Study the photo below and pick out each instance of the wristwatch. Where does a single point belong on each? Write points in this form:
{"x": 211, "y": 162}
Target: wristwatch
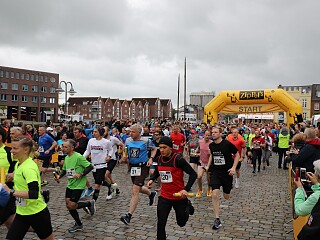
{"x": 12, "y": 192}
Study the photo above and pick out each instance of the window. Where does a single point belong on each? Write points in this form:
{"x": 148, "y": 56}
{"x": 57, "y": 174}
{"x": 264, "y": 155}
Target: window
{"x": 304, "y": 103}
{"x": 318, "y": 93}
{"x": 34, "y": 99}
{"x": 35, "y": 88}
{"x": 303, "y": 90}
{"x": 3, "y": 97}
{"x": 84, "y": 103}
{"x": 41, "y": 78}
{"x": 52, "y": 100}
{"x": 304, "y": 115}
{"x": 52, "y": 90}
{"x": 27, "y": 76}
{"x": 24, "y": 98}
{"x": 17, "y": 75}
{"x": 15, "y": 86}
{"x": 297, "y": 88}
{"x": 14, "y": 98}
{"x": 46, "y": 78}
{"x": 22, "y": 76}
{"x": 292, "y": 89}
{"x": 1, "y": 74}
{"x": 24, "y": 87}
{"x": 43, "y": 100}
{"x": 7, "y": 74}
{"x": 37, "y": 78}
{"x": 4, "y": 85}
{"x": 12, "y": 74}
{"x": 43, "y": 89}
{"x": 32, "y": 77}
{"x": 316, "y": 106}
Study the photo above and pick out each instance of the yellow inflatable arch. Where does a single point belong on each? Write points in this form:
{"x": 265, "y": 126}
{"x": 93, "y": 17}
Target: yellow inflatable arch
{"x": 256, "y": 101}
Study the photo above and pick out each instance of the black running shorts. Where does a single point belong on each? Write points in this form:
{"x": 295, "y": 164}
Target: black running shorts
{"x": 111, "y": 165}
{"x": 73, "y": 194}
{"x": 40, "y": 222}
{"x": 99, "y": 175}
{"x": 221, "y": 179}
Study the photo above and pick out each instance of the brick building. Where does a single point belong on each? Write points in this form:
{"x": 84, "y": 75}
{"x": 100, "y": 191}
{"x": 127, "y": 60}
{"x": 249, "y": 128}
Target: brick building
{"x": 98, "y": 108}
{"x": 27, "y": 94}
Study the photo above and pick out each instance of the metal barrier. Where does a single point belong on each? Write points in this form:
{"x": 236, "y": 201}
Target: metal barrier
{"x": 2, "y": 175}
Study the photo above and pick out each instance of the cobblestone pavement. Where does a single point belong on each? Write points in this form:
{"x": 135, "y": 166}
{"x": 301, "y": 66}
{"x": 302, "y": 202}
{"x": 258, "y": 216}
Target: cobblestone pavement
{"x": 259, "y": 209}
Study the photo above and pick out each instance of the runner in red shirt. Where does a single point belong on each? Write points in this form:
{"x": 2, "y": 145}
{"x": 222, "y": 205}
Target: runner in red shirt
{"x": 240, "y": 144}
{"x": 178, "y": 140}
{"x": 257, "y": 143}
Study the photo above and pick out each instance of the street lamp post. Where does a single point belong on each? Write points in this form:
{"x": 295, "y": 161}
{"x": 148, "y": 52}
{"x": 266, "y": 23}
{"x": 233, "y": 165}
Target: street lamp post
{"x": 71, "y": 92}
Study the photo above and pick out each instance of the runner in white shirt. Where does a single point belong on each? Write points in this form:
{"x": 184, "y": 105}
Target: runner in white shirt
{"x": 101, "y": 152}
{"x": 115, "y": 142}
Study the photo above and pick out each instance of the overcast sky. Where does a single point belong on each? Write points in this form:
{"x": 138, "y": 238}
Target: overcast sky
{"x": 136, "y": 48}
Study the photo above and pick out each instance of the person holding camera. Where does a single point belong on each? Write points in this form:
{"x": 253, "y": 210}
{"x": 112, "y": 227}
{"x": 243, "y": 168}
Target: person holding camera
{"x": 311, "y": 205}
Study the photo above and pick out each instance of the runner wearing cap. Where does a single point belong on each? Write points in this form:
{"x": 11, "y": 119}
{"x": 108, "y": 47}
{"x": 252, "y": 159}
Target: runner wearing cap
{"x": 192, "y": 147}
{"x": 171, "y": 167}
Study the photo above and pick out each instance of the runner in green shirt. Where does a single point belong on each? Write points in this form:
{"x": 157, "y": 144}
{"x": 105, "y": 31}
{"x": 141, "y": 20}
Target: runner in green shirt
{"x": 31, "y": 210}
{"x": 76, "y": 167}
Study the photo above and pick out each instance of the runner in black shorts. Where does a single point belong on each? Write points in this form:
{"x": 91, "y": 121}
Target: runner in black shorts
{"x": 76, "y": 167}
{"x": 222, "y": 168}
{"x": 113, "y": 186}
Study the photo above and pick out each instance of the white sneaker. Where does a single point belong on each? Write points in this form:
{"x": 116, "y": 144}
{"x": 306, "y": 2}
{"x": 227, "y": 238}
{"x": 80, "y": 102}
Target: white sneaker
{"x": 109, "y": 197}
{"x": 237, "y": 183}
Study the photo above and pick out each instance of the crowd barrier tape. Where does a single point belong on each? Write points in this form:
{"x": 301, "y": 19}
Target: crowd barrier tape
{"x": 297, "y": 221}
{"x": 2, "y": 175}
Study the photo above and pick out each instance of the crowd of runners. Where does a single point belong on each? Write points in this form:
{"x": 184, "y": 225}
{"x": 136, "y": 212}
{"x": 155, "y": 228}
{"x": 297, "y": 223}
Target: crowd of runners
{"x": 156, "y": 152}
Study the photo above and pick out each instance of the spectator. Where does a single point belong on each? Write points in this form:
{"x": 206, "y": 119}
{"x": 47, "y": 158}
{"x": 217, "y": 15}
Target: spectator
{"x": 311, "y": 205}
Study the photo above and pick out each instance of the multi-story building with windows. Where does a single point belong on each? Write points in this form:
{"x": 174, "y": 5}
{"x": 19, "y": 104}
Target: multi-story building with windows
{"x": 198, "y": 100}
{"x": 315, "y": 99}
{"x": 28, "y": 93}
{"x": 98, "y": 108}
{"x": 303, "y": 95}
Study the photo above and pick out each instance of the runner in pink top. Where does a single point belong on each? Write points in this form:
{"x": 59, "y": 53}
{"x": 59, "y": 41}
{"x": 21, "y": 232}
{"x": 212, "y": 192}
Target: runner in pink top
{"x": 204, "y": 159}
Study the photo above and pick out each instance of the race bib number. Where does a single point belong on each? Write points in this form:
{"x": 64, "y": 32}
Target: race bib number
{"x": 71, "y": 172}
{"x": 166, "y": 176}
{"x": 135, "y": 171}
{"x": 219, "y": 160}
{"x": 40, "y": 149}
{"x": 175, "y": 147}
{"x": 22, "y": 202}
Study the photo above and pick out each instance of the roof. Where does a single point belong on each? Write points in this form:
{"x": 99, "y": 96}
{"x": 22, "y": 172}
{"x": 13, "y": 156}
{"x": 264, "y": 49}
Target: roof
{"x": 152, "y": 101}
{"x": 80, "y": 100}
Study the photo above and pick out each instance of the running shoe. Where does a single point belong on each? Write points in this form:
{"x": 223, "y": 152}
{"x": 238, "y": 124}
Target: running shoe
{"x": 89, "y": 192}
{"x": 86, "y": 210}
{"x": 191, "y": 208}
{"x": 83, "y": 194}
{"x": 114, "y": 189}
{"x": 92, "y": 208}
{"x": 209, "y": 193}
{"x": 44, "y": 183}
{"x": 109, "y": 195}
{"x": 75, "y": 228}
{"x": 199, "y": 193}
{"x": 217, "y": 224}
{"x": 46, "y": 195}
{"x": 125, "y": 219}
{"x": 151, "y": 198}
